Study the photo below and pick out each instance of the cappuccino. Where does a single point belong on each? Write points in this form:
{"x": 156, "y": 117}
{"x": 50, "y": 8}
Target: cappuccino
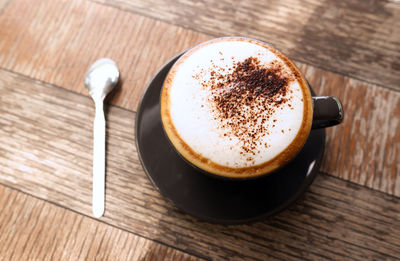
{"x": 236, "y": 107}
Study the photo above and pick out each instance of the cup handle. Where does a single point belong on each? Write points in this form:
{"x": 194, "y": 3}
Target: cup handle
{"x": 328, "y": 111}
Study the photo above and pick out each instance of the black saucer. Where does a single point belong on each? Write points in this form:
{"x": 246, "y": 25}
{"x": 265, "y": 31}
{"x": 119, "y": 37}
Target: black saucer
{"x": 209, "y": 198}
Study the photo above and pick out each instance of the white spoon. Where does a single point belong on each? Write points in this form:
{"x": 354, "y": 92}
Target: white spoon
{"x": 101, "y": 78}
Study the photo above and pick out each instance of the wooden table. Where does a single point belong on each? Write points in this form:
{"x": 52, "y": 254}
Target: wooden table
{"x": 349, "y": 49}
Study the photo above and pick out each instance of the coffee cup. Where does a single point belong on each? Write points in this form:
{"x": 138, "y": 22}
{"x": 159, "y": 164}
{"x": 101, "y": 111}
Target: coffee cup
{"x": 237, "y": 108}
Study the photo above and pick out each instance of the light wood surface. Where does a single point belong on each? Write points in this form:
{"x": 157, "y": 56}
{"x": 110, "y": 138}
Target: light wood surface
{"x": 347, "y": 49}
{"x": 31, "y": 231}
{"x": 138, "y": 45}
{"x": 378, "y": 138}
{"x": 49, "y": 157}
{"x": 355, "y": 37}
{"x": 366, "y": 147}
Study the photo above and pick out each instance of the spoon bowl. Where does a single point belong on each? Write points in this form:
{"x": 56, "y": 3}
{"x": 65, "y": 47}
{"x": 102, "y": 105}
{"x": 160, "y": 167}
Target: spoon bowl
{"x": 101, "y": 78}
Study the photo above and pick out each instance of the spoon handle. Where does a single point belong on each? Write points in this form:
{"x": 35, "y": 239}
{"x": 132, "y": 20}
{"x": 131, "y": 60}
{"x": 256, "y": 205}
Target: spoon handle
{"x": 99, "y": 141}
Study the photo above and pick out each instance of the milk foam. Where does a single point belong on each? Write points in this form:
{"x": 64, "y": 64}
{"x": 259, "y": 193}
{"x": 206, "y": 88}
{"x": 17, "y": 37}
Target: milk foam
{"x": 193, "y": 112}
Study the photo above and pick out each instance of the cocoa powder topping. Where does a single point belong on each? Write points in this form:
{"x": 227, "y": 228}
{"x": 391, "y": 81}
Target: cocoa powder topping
{"x": 242, "y": 99}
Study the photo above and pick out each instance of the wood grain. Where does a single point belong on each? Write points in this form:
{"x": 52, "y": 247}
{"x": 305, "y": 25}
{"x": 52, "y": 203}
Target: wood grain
{"x": 32, "y": 229}
{"x": 365, "y": 148}
{"x": 138, "y": 44}
{"x": 45, "y": 150}
{"x": 368, "y": 151}
{"x": 33, "y": 44}
{"x": 357, "y": 38}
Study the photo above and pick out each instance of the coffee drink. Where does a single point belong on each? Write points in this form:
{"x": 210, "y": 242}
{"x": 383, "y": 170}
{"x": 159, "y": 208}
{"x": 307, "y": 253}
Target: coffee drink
{"x": 236, "y": 107}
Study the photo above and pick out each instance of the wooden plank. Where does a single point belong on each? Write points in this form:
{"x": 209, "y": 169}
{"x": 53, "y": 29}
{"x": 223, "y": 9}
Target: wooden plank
{"x": 45, "y": 150}
{"x": 365, "y": 148}
{"x": 139, "y": 50}
{"x": 32, "y": 229}
{"x": 369, "y": 132}
{"x": 31, "y": 43}
{"x": 357, "y": 38}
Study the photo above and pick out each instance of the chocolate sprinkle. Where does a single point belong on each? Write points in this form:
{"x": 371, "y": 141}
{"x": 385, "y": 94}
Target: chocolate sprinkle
{"x": 244, "y": 97}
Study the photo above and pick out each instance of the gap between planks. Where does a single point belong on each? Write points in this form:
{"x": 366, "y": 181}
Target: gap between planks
{"x": 355, "y": 38}
{"x": 38, "y": 54}
{"x": 23, "y": 214}
{"x": 368, "y": 133}
{"x": 39, "y": 156}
